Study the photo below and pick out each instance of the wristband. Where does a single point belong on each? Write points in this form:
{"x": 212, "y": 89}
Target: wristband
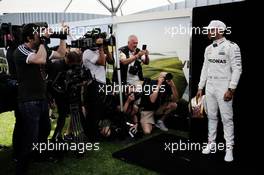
{"x": 231, "y": 90}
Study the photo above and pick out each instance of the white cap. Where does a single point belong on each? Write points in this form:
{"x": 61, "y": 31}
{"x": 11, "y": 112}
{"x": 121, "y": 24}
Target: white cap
{"x": 216, "y": 24}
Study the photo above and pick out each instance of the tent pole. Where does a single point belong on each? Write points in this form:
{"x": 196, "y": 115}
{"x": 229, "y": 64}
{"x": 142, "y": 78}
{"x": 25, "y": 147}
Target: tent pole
{"x": 118, "y": 73}
{"x": 113, "y": 13}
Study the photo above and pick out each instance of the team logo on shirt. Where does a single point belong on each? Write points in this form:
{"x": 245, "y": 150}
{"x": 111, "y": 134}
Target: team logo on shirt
{"x": 217, "y": 61}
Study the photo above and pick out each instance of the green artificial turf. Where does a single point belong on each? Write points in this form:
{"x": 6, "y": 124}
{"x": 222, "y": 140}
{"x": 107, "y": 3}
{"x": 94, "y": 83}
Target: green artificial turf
{"x": 94, "y": 162}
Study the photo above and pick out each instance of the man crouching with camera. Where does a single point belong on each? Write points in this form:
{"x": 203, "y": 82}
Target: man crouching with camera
{"x": 160, "y": 101}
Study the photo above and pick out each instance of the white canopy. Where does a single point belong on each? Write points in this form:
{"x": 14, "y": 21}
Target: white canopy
{"x": 81, "y": 6}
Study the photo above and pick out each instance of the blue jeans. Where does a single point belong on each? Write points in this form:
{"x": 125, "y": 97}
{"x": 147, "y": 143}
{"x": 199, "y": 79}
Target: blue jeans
{"x": 35, "y": 127}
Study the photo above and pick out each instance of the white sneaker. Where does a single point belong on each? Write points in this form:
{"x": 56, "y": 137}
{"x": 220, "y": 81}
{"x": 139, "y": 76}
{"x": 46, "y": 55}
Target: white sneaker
{"x": 209, "y": 147}
{"x": 229, "y": 155}
{"x": 161, "y": 125}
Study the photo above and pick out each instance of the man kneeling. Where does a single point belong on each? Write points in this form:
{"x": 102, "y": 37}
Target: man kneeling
{"x": 160, "y": 100}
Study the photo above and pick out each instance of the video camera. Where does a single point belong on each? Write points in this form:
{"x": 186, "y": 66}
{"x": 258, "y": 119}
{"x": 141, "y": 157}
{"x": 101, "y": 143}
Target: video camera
{"x": 89, "y": 40}
{"x": 12, "y": 34}
{"x": 69, "y": 79}
{"x": 55, "y": 34}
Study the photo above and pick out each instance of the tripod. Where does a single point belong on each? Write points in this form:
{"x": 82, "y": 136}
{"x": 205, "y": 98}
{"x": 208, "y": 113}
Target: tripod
{"x": 76, "y": 124}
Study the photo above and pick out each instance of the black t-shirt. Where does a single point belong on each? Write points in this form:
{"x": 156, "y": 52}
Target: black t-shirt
{"x": 163, "y": 96}
{"x": 11, "y": 61}
{"x": 31, "y": 83}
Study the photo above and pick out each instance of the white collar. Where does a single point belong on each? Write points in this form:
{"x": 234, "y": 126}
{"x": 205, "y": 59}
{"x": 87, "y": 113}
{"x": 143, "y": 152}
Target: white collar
{"x": 219, "y": 41}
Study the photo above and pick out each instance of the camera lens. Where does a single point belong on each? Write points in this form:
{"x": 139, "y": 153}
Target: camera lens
{"x": 168, "y": 76}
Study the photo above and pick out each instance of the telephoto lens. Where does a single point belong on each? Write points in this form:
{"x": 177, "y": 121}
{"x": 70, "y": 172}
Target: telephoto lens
{"x": 168, "y": 76}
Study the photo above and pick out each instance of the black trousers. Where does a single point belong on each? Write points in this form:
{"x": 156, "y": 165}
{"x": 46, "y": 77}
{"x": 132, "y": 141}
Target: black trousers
{"x": 35, "y": 128}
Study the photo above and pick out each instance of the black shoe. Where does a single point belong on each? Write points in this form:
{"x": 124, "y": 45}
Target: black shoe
{"x": 68, "y": 138}
{"x": 2, "y": 147}
{"x": 57, "y": 139}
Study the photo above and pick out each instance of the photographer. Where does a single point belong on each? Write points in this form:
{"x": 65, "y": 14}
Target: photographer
{"x": 131, "y": 106}
{"x": 130, "y": 62}
{"x": 160, "y": 101}
{"x": 130, "y": 101}
{"x": 95, "y": 60}
{"x": 11, "y": 92}
{"x": 32, "y": 103}
{"x": 12, "y": 44}
{"x": 30, "y": 36}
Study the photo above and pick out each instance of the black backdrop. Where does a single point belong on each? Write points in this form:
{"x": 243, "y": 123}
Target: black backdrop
{"x": 234, "y": 15}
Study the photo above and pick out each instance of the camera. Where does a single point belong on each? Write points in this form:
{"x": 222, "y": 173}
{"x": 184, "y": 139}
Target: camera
{"x": 88, "y": 41}
{"x": 144, "y": 47}
{"x": 10, "y": 35}
{"x": 133, "y": 70}
{"x": 168, "y": 76}
{"x": 68, "y": 80}
{"x": 60, "y": 35}
{"x": 137, "y": 95}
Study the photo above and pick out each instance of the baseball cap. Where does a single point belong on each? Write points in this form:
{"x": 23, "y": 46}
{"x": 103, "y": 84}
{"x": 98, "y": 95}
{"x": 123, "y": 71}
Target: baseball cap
{"x": 216, "y": 24}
